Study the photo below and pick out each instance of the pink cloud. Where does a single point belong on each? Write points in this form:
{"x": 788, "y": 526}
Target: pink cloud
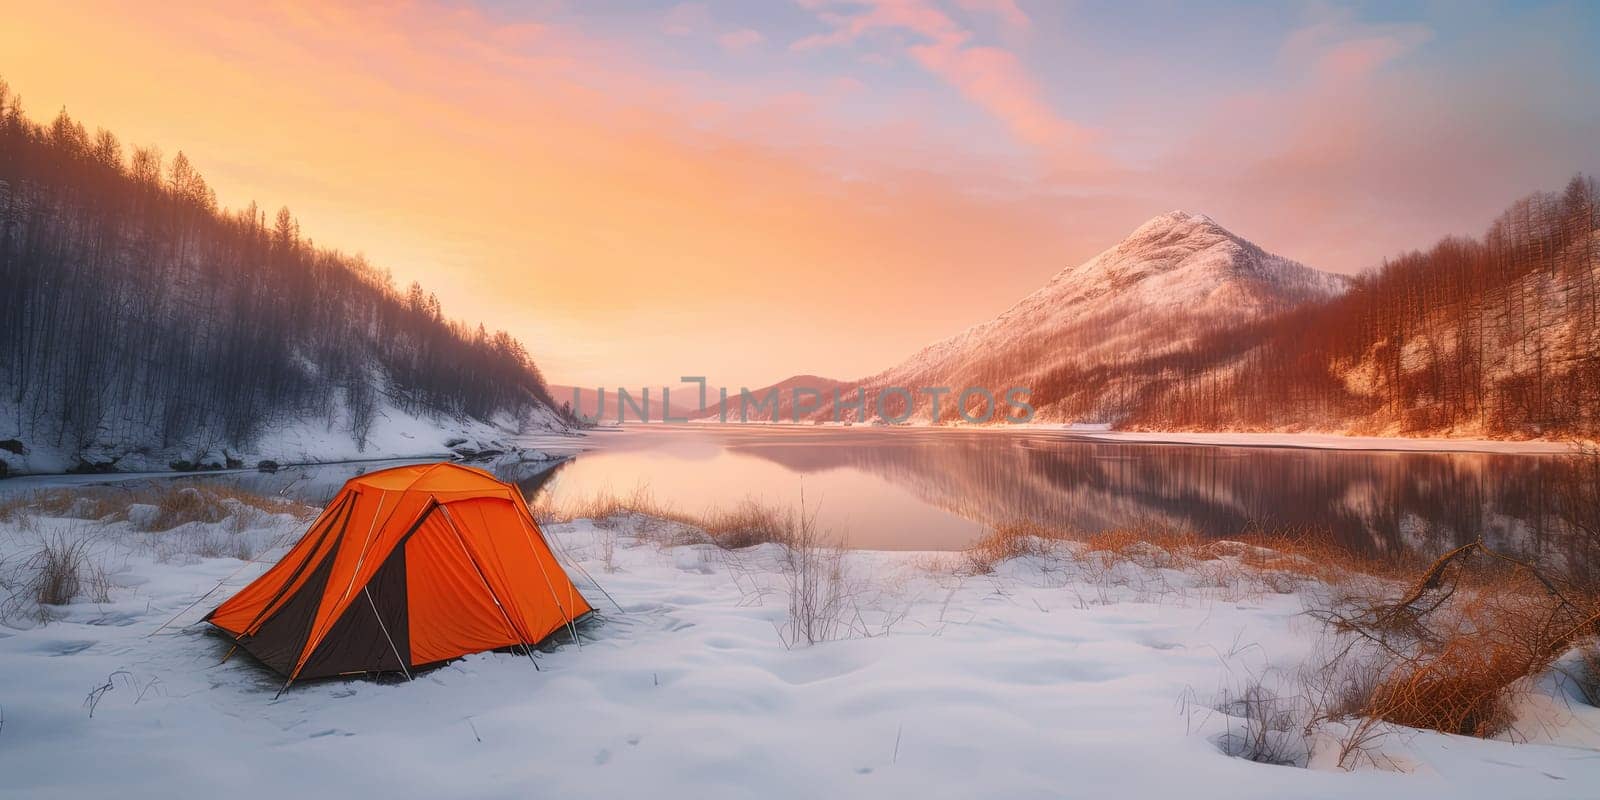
{"x": 742, "y": 39}
{"x": 685, "y": 19}
{"x": 996, "y": 81}
{"x": 1006, "y": 10}
{"x": 992, "y": 78}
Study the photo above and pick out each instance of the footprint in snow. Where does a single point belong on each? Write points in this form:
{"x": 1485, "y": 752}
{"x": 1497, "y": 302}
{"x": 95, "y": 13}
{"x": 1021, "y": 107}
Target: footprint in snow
{"x": 66, "y": 648}
{"x": 602, "y": 757}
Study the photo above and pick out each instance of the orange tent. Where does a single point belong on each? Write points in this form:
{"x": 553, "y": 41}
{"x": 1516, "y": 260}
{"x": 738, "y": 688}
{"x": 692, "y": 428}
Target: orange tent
{"x": 406, "y": 567}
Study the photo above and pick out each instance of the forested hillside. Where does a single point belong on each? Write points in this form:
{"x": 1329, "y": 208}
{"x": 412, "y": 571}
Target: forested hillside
{"x": 141, "y": 319}
{"x": 1495, "y": 336}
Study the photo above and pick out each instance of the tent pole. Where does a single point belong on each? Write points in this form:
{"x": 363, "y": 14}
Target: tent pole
{"x": 385, "y": 628}
{"x": 527, "y": 515}
{"x": 529, "y": 527}
{"x": 566, "y": 615}
{"x": 269, "y": 548}
{"x": 315, "y": 639}
{"x": 521, "y": 637}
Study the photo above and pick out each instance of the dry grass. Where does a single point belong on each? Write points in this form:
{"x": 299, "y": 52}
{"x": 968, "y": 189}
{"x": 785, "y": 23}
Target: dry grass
{"x": 156, "y": 506}
{"x": 61, "y": 569}
{"x": 822, "y": 602}
{"x": 58, "y": 566}
{"x": 1265, "y": 726}
{"x": 1258, "y": 561}
{"x": 67, "y": 564}
{"x": 1451, "y": 650}
{"x": 12, "y": 506}
{"x": 1005, "y": 542}
{"x": 821, "y": 599}
{"x": 750, "y": 523}
{"x": 603, "y": 505}
{"x": 747, "y": 524}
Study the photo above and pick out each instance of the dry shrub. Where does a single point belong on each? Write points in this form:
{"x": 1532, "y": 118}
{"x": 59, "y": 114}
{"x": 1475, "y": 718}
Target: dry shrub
{"x": 1261, "y": 561}
{"x": 59, "y": 566}
{"x": 745, "y": 525}
{"x": 1005, "y": 542}
{"x": 1157, "y": 547}
{"x": 651, "y": 521}
{"x": 748, "y": 524}
{"x": 1152, "y": 548}
{"x": 821, "y": 601}
{"x": 1454, "y": 648}
{"x": 608, "y": 550}
{"x": 1264, "y": 726}
{"x": 180, "y": 503}
{"x": 11, "y": 507}
{"x": 87, "y": 503}
{"x": 602, "y": 505}
{"x": 60, "y": 570}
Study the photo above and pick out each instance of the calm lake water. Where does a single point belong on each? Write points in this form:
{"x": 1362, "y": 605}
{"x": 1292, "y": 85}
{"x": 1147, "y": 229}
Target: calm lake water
{"x": 930, "y": 489}
{"x": 926, "y": 489}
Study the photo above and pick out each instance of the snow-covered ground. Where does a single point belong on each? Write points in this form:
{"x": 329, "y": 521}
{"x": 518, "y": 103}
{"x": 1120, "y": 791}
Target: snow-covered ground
{"x": 1316, "y": 441}
{"x": 1033, "y": 681}
{"x": 395, "y": 433}
{"x": 1334, "y": 441}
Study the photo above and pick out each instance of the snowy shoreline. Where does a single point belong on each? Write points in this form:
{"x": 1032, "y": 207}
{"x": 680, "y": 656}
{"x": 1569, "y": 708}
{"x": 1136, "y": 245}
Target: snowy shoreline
{"x": 1307, "y": 441}
{"x": 1030, "y": 680}
{"x": 394, "y": 435}
{"x": 1334, "y": 441}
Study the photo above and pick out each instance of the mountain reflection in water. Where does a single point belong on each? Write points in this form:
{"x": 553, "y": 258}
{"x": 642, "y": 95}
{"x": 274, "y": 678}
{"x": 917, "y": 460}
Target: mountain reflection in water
{"x": 924, "y": 489}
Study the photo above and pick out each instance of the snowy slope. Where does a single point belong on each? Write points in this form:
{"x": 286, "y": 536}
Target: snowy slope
{"x": 1176, "y": 276}
{"x": 394, "y": 433}
{"x": 1025, "y": 683}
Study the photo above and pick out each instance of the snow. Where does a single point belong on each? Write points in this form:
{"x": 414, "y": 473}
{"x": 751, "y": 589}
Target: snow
{"x": 395, "y": 433}
{"x": 1029, "y": 682}
{"x": 1319, "y": 441}
{"x": 1333, "y": 441}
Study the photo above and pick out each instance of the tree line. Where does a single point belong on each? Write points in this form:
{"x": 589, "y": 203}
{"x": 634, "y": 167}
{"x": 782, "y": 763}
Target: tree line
{"x": 135, "y": 309}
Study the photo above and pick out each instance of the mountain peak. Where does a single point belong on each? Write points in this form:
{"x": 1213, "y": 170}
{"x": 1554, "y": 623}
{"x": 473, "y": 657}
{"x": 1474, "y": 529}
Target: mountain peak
{"x": 1177, "y": 224}
{"x": 1177, "y": 275}
{"x": 1182, "y": 259}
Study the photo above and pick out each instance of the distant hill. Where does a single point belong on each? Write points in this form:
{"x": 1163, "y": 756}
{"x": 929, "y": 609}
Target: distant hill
{"x": 781, "y": 407}
{"x": 683, "y": 403}
{"x": 142, "y": 327}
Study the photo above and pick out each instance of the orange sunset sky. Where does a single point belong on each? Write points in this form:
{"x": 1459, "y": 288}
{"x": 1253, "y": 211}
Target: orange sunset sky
{"x": 748, "y": 190}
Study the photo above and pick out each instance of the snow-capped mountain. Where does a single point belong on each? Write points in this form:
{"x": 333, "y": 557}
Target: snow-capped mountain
{"x": 1176, "y": 277}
